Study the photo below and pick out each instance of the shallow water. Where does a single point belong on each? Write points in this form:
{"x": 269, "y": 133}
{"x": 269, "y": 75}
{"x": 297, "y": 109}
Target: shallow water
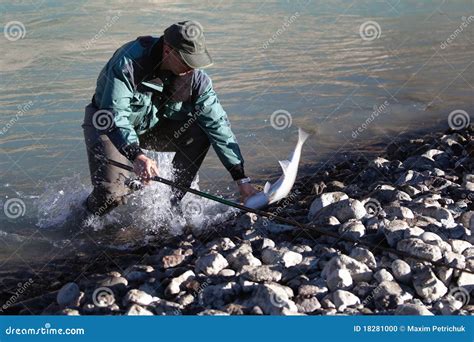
{"x": 305, "y": 61}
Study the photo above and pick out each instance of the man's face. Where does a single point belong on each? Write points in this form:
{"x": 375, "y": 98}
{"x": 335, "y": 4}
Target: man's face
{"x": 172, "y": 61}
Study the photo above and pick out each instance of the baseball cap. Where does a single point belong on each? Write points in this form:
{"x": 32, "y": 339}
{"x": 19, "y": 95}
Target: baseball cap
{"x": 187, "y": 37}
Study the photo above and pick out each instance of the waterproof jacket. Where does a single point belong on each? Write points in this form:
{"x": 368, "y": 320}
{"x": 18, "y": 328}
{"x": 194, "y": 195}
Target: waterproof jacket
{"x": 135, "y": 94}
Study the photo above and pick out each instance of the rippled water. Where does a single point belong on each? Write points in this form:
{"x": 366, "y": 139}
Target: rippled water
{"x": 305, "y": 60}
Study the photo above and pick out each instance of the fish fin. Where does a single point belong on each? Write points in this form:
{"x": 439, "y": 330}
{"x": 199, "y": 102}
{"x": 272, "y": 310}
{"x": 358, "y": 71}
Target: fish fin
{"x": 266, "y": 189}
{"x": 284, "y": 165}
{"x": 302, "y": 135}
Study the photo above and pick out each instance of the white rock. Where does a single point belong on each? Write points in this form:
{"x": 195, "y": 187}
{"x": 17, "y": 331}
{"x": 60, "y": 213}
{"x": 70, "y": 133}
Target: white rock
{"x": 343, "y": 210}
{"x": 389, "y": 295}
{"x": 135, "y": 296}
{"x": 365, "y": 256}
{"x": 399, "y": 212}
{"x": 174, "y": 286}
{"x": 339, "y": 279}
{"x": 459, "y": 246}
{"x": 273, "y": 299}
{"x": 343, "y": 299}
{"x": 137, "y": 310}
{"x": 428, "y": 286}
{"x": 401, "y": 271}
{"x": 395, "y": 231}
{"x": 383, "y": 275}
{"x": 324, "y": 200}
{"x": 466, "y": 281}
{"x": 413, "y": 310}
{"x": 420, "y": 249}
{"x": 242, "y": 256}
{"x": 358, "y": 270}
{"x": 354, "y": 230}
{"x": 272, "y": 256}
{"x": 211, "y": 264}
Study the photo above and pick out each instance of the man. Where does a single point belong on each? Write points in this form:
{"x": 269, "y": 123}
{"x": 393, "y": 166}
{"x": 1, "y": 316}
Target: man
{"x": 153, "y": 94}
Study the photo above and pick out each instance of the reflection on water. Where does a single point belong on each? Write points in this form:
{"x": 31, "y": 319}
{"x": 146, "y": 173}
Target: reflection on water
{"x": 303, "y": 58}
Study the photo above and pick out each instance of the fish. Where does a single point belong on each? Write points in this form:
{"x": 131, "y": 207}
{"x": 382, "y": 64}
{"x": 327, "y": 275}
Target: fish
{"x": 281, "y": 188}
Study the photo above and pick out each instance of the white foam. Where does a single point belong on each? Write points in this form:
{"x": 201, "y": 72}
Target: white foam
{"x": 148, "y": 209}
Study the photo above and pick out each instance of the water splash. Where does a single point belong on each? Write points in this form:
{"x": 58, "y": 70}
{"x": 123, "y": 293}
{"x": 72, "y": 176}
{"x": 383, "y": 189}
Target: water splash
{"x": 149, "y": 210}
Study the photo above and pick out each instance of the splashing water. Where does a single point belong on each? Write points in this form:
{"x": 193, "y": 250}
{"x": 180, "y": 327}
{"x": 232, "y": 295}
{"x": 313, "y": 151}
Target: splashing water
{"x": 148, "y": 210}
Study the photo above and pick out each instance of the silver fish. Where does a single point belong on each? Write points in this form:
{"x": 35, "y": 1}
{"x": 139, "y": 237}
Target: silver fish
{"x": 282, "y": 187}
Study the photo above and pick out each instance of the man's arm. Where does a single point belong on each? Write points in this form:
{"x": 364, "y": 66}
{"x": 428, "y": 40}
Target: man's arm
{"x": 214, "y": 121}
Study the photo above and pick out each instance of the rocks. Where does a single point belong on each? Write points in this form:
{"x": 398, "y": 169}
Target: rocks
{"x": 395, "y": 231}
{"x": 420, "y": 249}
{"x": 339, "y": 279}
{"x": 172, "y": 260}
{"x": 68, "y": 295}
{"x": 175, "y": 283}
{"x": 357, "y": 270}
{"x": 216, "y": 296}
{"x": 353, "y": 230}
{"x": 466, "y": 281}
{"x": 324, "y": 200}
{"x": 307, "y": 305}
{"x": 211, "y": 264}
{"x": 413, "y": 310}
{"x": 365, "y": 256}
{"x": 401, "y": 271}
{"x": 383, "y": 275}
{"x": 274, "y": 299}
{"x": 263, "y": 273}
{"x": 242, "y": 256}
{"x": 343, "y": 210}
{"x": 390, "y": 295}
{"x": 135, "y": 296}
{"x": 284, "y": 257}
{"x": 343, "y": 299}
{"x": 137, "y": 310}
{"x": 416, "y": 199}
{"x": 428, "y": 286}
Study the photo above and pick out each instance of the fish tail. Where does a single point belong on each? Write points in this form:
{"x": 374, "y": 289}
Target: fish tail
{"x": 302, "y": 136}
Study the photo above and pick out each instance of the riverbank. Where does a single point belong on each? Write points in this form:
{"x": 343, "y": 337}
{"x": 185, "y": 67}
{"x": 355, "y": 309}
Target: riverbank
{"x": 417, "y": 198}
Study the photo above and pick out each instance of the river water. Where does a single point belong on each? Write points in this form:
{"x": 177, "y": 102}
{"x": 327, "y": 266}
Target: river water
{"x": 357, "y": 73}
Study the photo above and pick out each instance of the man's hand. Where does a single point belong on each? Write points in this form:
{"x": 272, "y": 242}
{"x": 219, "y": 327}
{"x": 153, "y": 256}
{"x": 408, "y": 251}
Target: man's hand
{"x": 246, "y": 190}
{"x": 145, "y": 168}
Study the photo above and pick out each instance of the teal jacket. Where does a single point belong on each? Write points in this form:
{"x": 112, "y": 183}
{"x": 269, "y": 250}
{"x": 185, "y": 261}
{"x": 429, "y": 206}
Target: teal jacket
{"x": 138, "y": 94}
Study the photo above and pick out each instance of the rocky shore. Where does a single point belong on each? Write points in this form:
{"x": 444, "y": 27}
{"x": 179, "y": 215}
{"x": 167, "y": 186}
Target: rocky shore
{"x": 416, "y": 198}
